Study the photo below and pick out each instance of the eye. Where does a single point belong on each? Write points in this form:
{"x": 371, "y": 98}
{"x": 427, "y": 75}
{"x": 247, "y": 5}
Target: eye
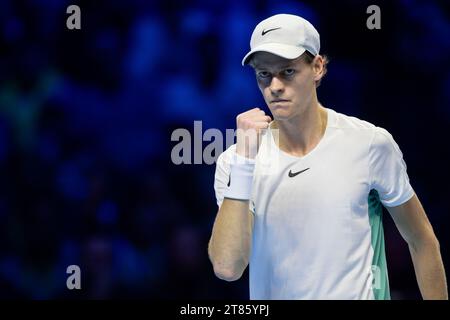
{"x": 263, "y": 74}
{"x": 288, "y": 72}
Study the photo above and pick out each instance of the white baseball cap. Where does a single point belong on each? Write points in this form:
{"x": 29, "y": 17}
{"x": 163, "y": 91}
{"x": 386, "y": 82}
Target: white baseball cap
{"x": 284, "y": 35}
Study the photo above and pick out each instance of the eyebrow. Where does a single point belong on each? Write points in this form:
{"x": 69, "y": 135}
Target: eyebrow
{"x": 284, "y": 66}
{"x": 290, "y": 65}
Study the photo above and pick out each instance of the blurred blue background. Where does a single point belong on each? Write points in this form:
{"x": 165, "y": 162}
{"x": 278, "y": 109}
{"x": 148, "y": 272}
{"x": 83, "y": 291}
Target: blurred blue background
{"x": 86, "y": 118}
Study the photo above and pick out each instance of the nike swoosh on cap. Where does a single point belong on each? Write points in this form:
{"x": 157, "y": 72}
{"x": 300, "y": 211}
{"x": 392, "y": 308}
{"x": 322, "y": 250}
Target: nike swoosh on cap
{"x": 266, "y": 31}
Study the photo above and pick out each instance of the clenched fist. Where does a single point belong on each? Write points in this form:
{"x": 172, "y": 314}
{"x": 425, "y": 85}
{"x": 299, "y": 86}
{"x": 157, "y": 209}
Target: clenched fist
{"x": 249, "y": 126}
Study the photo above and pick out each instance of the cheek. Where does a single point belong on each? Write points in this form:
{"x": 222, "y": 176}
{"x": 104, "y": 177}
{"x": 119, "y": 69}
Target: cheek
{"x": 263, "y": 87}
{"x": 260, "y": 85}
{"x": 265, "y": 92}
{"x": 302, "y": 86}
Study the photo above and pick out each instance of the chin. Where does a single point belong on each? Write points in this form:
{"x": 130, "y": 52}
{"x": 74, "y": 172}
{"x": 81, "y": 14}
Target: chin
{"x": 280, "y": 116}
{"x": 283, "y": 114}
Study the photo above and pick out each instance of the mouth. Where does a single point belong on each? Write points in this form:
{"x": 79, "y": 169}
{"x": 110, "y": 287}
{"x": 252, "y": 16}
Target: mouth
{"x": 279, "y": 100}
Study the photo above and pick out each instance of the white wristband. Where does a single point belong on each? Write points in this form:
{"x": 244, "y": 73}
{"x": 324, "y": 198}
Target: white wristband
{"x": 240, "y": 181}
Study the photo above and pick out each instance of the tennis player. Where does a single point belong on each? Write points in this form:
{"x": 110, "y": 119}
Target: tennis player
{"x": 300, "y": 200}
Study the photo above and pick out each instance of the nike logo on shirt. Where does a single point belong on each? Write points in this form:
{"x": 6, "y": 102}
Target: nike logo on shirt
{"x": 293, "y": 174}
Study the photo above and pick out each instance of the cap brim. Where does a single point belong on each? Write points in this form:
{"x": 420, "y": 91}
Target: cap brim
{"x": 279, "y": 49}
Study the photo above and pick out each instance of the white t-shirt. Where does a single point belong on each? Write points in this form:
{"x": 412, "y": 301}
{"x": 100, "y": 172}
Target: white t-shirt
{"x": 318, "y": 230}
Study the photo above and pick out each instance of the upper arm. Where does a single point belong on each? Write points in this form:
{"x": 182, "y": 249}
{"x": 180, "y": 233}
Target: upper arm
{"x": 221, "y": 177}
{"x": 387, "y": 170}
{"x": 411, "y": 221}
{"x": 388, "y": 175}
{"x": 252, "y": 218}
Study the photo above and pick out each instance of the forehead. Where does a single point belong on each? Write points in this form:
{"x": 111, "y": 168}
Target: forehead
{"x": 265, "y": 60}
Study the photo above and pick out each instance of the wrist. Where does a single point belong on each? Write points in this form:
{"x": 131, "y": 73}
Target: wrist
{"x": 240, "y": 181}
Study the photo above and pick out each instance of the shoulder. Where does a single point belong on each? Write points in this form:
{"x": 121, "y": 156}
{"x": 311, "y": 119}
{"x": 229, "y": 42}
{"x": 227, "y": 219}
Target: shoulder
{"x": 383, "y": 142}
{"x": 346, "y": 122}
{"x": 361, "y": 129}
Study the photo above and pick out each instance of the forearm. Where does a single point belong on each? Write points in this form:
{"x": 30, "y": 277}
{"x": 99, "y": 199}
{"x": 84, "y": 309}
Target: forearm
{"x": 229, "y": 246}
{"x": 429, "y": 269}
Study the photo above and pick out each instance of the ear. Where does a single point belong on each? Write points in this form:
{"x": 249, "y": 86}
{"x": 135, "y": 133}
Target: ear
{"x": 318, "y": 67}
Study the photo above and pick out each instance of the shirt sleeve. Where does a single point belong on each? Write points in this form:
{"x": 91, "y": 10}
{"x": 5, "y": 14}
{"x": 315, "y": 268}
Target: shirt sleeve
{"x": 388, "y": 173}
{"x": 222, "y": 174}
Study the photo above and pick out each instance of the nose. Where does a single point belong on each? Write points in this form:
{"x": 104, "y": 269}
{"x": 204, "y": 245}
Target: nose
{"x": 276, "y": 86}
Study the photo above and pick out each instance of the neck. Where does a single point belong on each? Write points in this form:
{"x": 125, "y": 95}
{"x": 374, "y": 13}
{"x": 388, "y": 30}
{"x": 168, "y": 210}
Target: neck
{"x": 300, "y": 134}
